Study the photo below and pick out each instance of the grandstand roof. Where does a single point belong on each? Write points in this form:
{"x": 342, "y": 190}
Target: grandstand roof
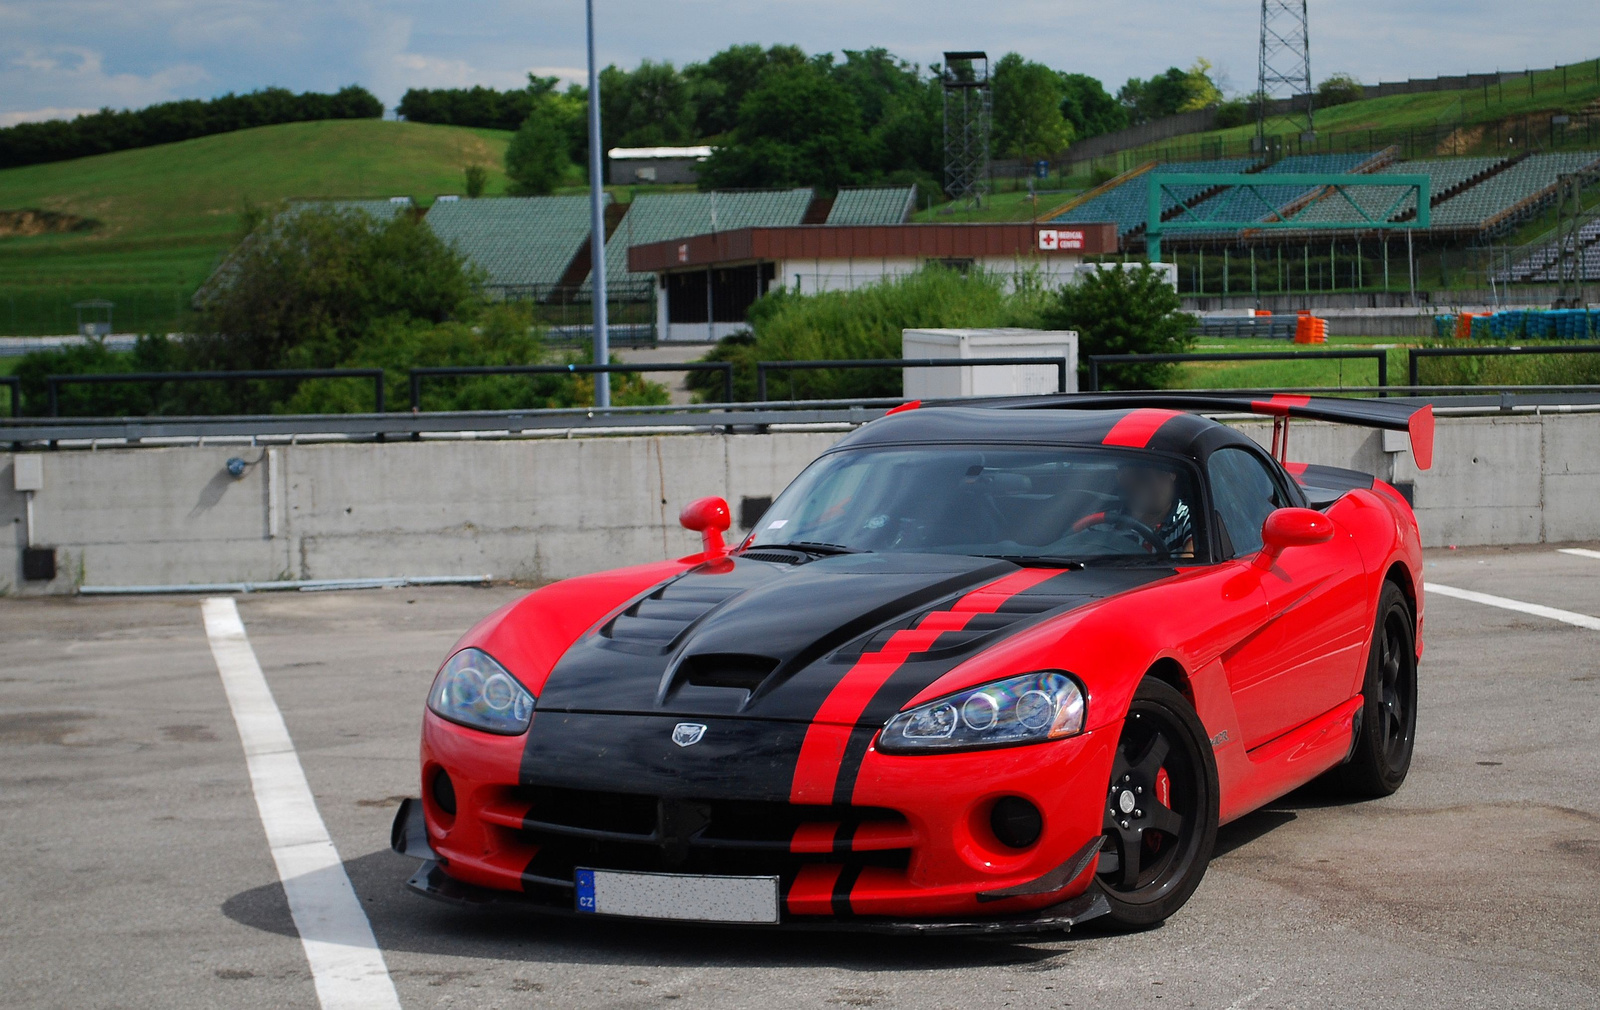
{"x": 654, "y": 217}
{"x": 518, "y": 240}
{"x": 383, "y": 210}
{"x": 873, "y": 206}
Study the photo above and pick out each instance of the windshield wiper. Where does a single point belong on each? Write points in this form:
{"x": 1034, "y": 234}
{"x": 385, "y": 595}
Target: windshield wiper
{"x": 1035, "y": 560}
{"x": 818, "y": 547}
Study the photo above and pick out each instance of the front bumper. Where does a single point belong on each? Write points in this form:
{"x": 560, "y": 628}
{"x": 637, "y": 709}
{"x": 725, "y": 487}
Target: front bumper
{"x": 910, "y": 852}
{"x": 431, "y": 880}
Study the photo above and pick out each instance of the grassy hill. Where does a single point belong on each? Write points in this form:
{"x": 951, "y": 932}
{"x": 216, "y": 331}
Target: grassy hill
{"x": 166, "y": 214}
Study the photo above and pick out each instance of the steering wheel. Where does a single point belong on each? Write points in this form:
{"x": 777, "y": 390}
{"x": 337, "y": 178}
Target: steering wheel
{"x": 1123, "y": 521}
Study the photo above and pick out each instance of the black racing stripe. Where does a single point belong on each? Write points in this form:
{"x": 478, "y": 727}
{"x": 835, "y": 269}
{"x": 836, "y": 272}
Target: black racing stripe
{"x": 855, "y": 751}
{"x": 841, "y": 891}
{"x": 843, "y": 837}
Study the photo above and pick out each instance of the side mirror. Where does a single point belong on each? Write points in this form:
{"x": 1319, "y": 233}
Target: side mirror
{"x": 1292, "y": 527}
{"x": 709, "y": 517}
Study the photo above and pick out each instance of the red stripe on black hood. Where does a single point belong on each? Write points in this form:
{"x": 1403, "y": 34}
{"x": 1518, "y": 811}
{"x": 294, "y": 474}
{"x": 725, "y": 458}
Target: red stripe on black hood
{"x": 852, "y": 640}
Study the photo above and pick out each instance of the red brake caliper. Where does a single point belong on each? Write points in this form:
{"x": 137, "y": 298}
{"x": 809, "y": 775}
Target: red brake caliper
{"x": 1164, "y": 797}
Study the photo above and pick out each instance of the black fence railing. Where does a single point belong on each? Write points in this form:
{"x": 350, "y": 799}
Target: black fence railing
{"x": 764, "y": 367}
{"x": 418, "y": 374}
{"x": 14, "y": 385}
{"x": 54, "y": 383}
{"x": 1097, "y": 361}
{"x": 1416, "y": 354}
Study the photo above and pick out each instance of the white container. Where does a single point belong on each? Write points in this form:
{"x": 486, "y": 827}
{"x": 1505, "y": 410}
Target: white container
{"x": 988, "y": 380}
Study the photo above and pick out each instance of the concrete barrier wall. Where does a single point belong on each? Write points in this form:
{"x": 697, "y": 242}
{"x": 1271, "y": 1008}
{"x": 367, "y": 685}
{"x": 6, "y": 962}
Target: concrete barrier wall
{"x": 552, "y": 508}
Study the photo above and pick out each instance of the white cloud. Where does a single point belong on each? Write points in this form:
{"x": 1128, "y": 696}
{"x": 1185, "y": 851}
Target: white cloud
{"x": 40, "y": 115}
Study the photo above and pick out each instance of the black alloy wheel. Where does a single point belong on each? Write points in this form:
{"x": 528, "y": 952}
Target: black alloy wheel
{"x": 1380, "y": 756}
{"x": 1161, "y": 809}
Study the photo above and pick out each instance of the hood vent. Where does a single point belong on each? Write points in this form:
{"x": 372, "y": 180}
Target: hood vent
{"x": 738, "y": 671}
{"x": 658, "y": 620}
{"x": 776, "y": 555}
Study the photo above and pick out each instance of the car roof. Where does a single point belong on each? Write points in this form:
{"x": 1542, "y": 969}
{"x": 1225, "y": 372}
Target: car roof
{"x": 1141, "y": 427}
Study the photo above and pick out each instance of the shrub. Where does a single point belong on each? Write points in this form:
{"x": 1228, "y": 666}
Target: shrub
{"x": 1338, "y": 90}
{"x": 1130, "y": 310}
{"x": 536, "y": 158}
{"x": 477, "y": 178}
{"x": 864, "y": 323}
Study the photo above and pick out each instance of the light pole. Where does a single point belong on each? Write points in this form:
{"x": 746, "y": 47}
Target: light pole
{"x": 597, "y": 229}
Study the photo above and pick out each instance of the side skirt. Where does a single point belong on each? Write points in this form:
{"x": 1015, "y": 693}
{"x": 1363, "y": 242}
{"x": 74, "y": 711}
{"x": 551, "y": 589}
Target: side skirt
{"x": 1282, "y": 765}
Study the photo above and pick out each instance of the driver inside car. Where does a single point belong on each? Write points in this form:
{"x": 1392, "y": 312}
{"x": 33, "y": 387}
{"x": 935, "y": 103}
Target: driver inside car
{"x": 1148, "y": 495}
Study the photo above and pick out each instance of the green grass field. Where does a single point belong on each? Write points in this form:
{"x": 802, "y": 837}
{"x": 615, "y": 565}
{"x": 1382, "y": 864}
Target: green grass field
{"x": 168, "y": 213}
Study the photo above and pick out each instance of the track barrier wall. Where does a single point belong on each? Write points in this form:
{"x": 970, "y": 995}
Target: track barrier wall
{"x": 550, "y": 508}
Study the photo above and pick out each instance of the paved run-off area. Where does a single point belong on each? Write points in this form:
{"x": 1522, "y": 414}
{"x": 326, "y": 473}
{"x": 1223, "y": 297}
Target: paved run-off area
{"x": 137, "y": 871}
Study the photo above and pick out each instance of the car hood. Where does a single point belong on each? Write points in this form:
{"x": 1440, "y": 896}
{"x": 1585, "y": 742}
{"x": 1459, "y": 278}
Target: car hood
{"x": 747, "y": 638}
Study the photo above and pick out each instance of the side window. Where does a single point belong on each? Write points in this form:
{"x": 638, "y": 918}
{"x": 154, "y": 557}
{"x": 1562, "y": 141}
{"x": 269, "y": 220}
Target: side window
{"x": 1244, "y": 494}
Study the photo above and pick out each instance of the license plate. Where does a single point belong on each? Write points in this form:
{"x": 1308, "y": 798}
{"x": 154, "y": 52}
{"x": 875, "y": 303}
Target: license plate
{"x": 677, "y": 896}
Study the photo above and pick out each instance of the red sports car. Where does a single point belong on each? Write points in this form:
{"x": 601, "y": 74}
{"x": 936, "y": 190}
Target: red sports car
{"x": 986, "y": 668}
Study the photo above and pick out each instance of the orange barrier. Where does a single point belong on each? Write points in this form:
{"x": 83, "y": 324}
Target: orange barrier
{"x": 1310, "y": 329}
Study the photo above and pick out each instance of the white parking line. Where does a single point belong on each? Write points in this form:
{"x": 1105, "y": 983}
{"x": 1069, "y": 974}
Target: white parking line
{"x": 1537, "y": 610}
{"x": 1580, "y": 552}
{"x": 346, "y": 964}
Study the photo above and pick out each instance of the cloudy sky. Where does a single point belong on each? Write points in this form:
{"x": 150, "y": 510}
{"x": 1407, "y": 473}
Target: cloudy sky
{"x": 62, "y": 57}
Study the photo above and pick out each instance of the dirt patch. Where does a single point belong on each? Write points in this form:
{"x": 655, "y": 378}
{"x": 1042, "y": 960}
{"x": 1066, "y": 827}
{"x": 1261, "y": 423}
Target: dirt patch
{"x": 1459, "y": 140}
{"x": 28, "y": 222}
{"x": 38, "y": 727}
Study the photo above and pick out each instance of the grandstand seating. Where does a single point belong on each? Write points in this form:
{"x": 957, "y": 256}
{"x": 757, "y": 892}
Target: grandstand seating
{"x": 517, "y": 240}
{"x": 1442, "y": 173}
{"x": 1252, "y": 205}
{"x": 873, "y": 206}
{"x": 655, "y": 217}
{"x": 1501, "y": 196}
{"x": 1542, "y": 264}
{"x": 1129, "y": 204}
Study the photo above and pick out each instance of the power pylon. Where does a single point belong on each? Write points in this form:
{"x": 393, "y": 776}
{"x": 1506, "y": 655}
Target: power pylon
{"x": 1285, "y": 69}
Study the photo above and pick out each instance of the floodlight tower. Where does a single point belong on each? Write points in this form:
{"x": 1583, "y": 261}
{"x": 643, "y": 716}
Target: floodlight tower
{"x": 1285, "y": 67}
{"x": 968, "y": 102}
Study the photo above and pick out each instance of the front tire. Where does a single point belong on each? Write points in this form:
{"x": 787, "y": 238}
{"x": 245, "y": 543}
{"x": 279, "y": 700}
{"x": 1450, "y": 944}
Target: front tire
{"x": 1381, "y": 754}
{"x": 1161, "y": 810}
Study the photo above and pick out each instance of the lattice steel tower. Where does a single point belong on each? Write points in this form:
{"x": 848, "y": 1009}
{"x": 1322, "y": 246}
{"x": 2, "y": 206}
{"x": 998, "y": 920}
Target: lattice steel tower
{"x": 1285, "y": 69}
{"x": 968, "y": 102}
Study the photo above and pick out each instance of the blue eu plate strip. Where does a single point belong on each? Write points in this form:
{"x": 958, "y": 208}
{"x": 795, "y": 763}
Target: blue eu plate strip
{"x": 584, "y": 879}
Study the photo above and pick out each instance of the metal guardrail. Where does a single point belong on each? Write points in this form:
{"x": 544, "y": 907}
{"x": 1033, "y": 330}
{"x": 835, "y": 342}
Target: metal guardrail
{"x": 681, "y": 417}
{"x": 53, "y": 383}
{"x": 418, "y": 374}
{"x": 763, "y": 367}
{"x": 1381, "y": 357}
{"x": 1418, "y": 353}
{"x": 14, "y": 384}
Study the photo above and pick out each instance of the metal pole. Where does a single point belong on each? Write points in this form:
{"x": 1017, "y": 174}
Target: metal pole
{"x": 597, "y": 228}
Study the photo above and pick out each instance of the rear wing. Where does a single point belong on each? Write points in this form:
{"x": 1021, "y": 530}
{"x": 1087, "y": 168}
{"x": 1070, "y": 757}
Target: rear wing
{"x": 1390, "y": 415}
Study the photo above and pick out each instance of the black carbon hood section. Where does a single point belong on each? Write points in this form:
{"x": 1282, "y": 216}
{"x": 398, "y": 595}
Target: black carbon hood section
{"x": 768, "y": 641}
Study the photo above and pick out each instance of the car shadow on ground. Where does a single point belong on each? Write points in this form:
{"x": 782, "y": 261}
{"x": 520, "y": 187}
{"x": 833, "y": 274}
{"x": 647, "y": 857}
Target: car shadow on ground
{"x": 403, "y": 920}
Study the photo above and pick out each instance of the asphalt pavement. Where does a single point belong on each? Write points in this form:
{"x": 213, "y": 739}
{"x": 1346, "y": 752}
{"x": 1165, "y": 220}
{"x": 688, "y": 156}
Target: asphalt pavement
{"x": 137, "y": 871}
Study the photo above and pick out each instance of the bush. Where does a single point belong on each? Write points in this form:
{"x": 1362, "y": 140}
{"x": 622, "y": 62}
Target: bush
{"x": 307, "y": 284}
{"x": 536, "y": 159}
{"x": 1130, "y": 310}
{"x": 864, "y": 323}
{"x": 477, "y": 178}
{"x": 1338, "y": 90}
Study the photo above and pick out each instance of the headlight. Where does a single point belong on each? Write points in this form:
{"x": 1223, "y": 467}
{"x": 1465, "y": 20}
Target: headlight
{"x": 475, "y": 691}
{"x": 1026, "y": 709}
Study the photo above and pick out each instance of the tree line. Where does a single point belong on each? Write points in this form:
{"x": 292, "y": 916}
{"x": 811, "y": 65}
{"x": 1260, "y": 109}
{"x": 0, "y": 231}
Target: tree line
{"x": 779, "y": 117}
{"x": 109, "y": 130}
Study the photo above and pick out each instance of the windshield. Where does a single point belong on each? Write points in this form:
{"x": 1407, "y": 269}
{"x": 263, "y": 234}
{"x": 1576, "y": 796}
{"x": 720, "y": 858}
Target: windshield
{"x": 1050, "y": 503}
